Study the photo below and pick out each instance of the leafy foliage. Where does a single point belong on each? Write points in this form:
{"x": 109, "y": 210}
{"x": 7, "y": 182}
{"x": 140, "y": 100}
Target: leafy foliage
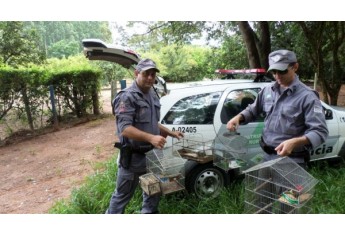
{"x": 63, "y": 38}
{"x": 64, "y": 48}
{"x": 111, "y": 71}
{"x": 231, "y": 54}
{"x": 22, "y": 90}
{"x": 76, "y": 85}
{"x": 181, "y": 63}
{"x": 19, "y": 45}
{"x": 25, "y": 92}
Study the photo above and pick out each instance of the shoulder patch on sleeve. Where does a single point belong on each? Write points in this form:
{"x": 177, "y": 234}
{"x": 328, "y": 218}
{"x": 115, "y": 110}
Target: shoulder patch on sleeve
{"x": 122, "y": 106}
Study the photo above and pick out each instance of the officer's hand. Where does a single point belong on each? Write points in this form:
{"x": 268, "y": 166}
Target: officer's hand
{"x": 158, "y": 141}
{"x": 233, "y": 124}
{"x": 177, "y": 134}
{"x": 285, "y": 148}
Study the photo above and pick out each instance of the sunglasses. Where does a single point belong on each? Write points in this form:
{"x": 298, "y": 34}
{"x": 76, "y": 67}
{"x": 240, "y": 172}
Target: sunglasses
{"x": 280, "y": 72}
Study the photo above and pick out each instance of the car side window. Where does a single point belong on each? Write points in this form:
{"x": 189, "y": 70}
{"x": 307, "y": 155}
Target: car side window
{"x": 237, "y": 101}
{"x": 196, "y": 109}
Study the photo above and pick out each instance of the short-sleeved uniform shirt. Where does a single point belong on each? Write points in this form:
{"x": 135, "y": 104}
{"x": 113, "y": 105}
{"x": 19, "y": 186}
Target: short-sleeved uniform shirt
{"x": 132, "y": 107}
{"x": 294, "y": 112}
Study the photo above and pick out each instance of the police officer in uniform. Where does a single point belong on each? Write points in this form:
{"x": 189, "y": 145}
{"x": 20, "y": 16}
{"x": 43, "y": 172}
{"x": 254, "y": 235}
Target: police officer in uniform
{"x": 294, "y": 119}
{"x": 137, "y": 111}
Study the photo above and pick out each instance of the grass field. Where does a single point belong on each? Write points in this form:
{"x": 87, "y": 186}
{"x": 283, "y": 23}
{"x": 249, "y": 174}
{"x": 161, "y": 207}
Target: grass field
{"x": 93, "y": 197}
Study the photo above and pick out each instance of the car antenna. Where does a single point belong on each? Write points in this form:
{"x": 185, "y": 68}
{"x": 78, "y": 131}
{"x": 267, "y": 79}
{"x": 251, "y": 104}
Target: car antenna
{"x": 155, "y": 89}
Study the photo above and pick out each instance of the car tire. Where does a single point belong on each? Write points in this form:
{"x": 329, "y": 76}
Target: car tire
{"x": 206, "y": 180}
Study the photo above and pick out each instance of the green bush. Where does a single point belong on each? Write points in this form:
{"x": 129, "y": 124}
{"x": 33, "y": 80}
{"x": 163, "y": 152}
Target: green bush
{"x": 25, "y": 92}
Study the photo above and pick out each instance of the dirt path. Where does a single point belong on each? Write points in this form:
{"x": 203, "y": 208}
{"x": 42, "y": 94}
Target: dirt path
{"x": 37, "y": 172}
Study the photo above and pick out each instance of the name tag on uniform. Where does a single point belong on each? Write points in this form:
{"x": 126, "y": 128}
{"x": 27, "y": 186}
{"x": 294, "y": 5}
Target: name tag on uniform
{"x": 318, "y": 109}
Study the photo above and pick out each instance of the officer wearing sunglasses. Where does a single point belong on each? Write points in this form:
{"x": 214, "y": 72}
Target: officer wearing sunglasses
{"x": 294, "y": 120}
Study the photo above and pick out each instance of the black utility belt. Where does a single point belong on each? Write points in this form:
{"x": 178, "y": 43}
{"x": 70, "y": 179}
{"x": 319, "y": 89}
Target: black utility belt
{"x": 142, "y": 149}
{"x": 268, "y": 149}
{"x": 140, "y": 152}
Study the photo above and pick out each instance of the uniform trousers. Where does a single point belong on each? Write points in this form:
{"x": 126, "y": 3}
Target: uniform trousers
{"x": 126, "y": 183}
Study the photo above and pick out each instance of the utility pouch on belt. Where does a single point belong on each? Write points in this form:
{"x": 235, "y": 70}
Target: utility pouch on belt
{"x": 266, "y": 148}
{"x": 125, "y": 154}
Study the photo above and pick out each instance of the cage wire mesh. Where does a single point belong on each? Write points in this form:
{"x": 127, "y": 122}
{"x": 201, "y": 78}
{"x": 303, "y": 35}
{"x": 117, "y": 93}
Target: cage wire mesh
{"x": 194, "y": 147}
{"x": 229, "y": 147}
{"x": 279, "y": 186}
{"x": 167, "y": 166}
{"x": 165, "y": 162}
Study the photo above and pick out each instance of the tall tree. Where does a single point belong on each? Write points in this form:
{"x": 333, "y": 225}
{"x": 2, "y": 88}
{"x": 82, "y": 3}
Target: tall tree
{"x": 257, "y": 42}
{"x": 326, "y": 43}
{"x": 258, "y": 45}
{"x": 318, "y": 45}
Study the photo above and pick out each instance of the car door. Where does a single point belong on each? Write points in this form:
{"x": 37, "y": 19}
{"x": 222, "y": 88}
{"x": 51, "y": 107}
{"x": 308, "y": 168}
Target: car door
{"x": 330, "y": 148}
{"x": 244, "y": 144}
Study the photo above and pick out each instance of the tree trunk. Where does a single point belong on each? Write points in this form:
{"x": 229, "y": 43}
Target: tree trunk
{"x": 249, "y": 39}
{"x": 326, "y": 40}
{"x": 265, "y": 43}
{"x": 27, "y": 107}
{"x": 95, "y": 103}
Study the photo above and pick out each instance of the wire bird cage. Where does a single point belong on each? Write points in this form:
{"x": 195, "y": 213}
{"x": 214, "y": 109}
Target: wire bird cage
{"x": 194, "y": 147}
{"x": 165, "y": 169}
{"x": 228, "y": 150}
{"x": 279, "y": 186}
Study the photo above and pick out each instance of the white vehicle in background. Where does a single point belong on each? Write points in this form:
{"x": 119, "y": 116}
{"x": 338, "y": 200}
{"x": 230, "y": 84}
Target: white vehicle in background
{"x": 204, "y": 108}
{"x": 96, "y": 49}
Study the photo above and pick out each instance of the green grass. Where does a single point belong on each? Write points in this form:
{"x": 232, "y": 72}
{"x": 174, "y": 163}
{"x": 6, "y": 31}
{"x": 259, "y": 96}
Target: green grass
{"x": 330, "y": 191}
{"x": 94, "y": 195}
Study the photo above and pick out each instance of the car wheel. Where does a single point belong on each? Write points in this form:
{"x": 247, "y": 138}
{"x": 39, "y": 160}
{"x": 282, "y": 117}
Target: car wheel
{"x": 206, "y": 181}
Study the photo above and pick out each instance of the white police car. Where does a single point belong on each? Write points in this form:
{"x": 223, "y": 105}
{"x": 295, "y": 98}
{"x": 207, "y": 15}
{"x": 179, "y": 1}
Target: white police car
{"x": 204, "y": 108}
{"x": 96, "y": 49}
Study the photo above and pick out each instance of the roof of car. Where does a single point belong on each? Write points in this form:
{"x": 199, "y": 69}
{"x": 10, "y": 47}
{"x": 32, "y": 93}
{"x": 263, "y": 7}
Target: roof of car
{"x": 205, "y": 83}
{"x": 243, "y": 71}
{"x": 210, "y": 86}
